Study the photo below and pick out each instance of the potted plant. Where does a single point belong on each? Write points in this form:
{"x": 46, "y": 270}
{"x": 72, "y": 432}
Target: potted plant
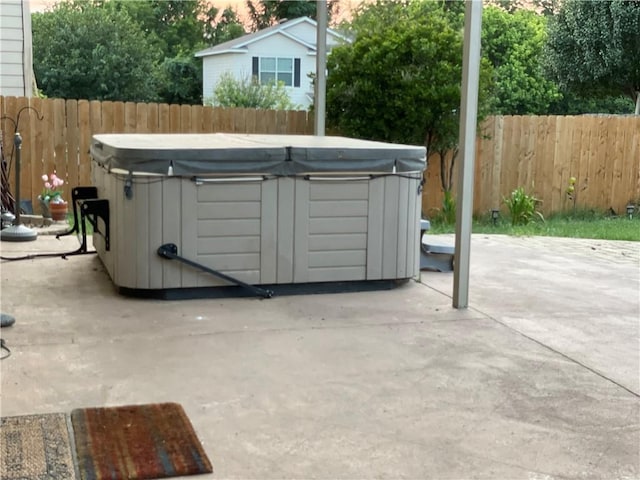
{"x": 51, "y": 201}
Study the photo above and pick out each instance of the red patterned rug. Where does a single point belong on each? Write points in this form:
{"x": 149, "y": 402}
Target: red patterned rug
{"x": 137, "y": 442}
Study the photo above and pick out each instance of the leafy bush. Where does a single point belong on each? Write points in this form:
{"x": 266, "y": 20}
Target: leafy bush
{"x": 522, "y": 207}
{"x": 447, "y": 214}
{"x": 250, "y": 93}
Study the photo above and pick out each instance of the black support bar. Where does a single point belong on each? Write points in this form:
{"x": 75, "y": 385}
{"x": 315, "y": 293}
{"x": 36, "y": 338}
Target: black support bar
{"x": 170, "y": 251}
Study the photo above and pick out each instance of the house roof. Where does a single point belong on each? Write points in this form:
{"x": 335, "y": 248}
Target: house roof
{"x": 240, "y": 44}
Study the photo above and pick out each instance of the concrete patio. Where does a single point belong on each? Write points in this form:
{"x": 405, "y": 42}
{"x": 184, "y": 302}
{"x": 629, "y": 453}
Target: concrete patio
{"x": 539, "y": 379}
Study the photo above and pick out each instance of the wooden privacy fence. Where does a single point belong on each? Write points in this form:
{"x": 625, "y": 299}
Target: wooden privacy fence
{"x": 541, "y": 154}
{"x": 57, "y": 133}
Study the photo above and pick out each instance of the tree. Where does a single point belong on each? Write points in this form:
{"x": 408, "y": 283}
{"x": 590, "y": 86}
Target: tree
{"x": 180, "y": 80}
{"x": 264, "y": 13}
{"x": 399, "y": 81}
{"x": 571, "y": 103}
{"x": 514, "y": 44}
{"x": 250, "y": 93}
{"x": 147, "y": 46}
{"x": 179, "y": 28}
{"x": 594, "y": 48}
{"x": 222, "y": 26}
{"x": 92, "y": 53}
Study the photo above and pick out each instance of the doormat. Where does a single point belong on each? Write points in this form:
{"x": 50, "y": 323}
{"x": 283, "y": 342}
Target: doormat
{"x": 36, "y": 447}
{"x": 137, "y": 442}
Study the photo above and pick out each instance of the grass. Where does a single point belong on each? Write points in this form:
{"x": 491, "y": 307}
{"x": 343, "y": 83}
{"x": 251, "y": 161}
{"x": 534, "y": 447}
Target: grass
{"x": 587, "y": 224}
{"x": 87, "y": 224}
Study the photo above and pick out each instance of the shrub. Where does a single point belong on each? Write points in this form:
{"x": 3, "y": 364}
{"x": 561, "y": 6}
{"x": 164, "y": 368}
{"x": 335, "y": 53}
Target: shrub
{"x": 522, "y": 207}
{"x": 447, "y": 214}
{"x": 250, "y": 93}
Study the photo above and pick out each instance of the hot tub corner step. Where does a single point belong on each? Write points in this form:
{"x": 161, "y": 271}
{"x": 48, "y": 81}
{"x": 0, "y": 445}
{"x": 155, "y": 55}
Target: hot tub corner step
{"x": 437, "y": 257}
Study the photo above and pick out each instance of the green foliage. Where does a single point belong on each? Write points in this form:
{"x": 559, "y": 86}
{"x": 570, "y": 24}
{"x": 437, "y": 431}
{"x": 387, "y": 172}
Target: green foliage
{"x": 264, "y": 13}
{"x": 249, "y": 93}
{"x": 522, "y": 207}
{"x": 127, "y": 50}
{"x": 594, "y": 47}
{"x": 180, "y": 80}
{"x": 447, "y": 214}
{"x": 513, "y": 42}
{"x": 92, "y": 53}
{"x": 222, "y": 26}
{"x": 589, "y": 224}
{"x": 399, "y": 81}
{"x": 571, "y": 103}
{"x": 177, "y": 27}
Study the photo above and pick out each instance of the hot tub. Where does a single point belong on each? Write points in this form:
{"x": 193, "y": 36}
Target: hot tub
{"x": 269, "y": 210}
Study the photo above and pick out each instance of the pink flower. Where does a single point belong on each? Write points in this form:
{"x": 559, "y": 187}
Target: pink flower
{"x": 51, "y": 190}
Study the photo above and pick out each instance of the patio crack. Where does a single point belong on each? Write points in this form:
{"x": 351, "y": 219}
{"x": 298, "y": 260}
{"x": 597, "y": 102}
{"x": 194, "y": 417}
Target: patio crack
{"x": 558, "y": 352}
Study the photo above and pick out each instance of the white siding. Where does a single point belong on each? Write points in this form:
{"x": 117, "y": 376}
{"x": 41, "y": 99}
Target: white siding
{"x": 277, "y": 45}
{"x": 307, "y": 32}
{"x": 15, "y": 48}
{"x": 282, "y": 46}
{"x": 239, "y": 64}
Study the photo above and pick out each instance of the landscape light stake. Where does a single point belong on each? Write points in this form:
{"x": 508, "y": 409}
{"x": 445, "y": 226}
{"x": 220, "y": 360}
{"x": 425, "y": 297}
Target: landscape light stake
{"x": 495, "y": 214}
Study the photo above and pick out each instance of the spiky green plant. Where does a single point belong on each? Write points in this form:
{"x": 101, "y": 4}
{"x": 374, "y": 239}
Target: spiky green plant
{"x": 447, "y": 214}
{"x": 522, "y": 207}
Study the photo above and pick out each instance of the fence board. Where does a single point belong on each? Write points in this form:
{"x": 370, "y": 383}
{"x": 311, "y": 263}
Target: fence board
{"x": 48, "y": 149}
{"x": 35, "y": 152}
{"x": 130, "y": 116}
{"x": 239, "y": 122}
{"x": 630, "y": 182}
{"x": 20, "y": 115}
{"x": 558, "y": 166}
{"x": 164, "y": 118}
{"x": 72, "y": 138}
{"x": 196, "y": 119}
{"x": 118, "y": 118}
{"x": 185, "y": 119}
{"x": 152, "y": 118}
{"x": 84, "y": 142}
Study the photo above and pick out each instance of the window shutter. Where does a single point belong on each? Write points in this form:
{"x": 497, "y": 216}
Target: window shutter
{"x": 255, "y": 68}
{"x": 296, "y": 72}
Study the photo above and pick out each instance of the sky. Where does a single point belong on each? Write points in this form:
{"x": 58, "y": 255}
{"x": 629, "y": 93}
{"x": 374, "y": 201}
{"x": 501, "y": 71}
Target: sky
{"x": 345, "y": 6}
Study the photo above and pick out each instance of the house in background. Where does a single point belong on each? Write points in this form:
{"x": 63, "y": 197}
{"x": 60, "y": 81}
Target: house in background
{"x": 16, "y": 61}
{"x": 284, "y": 52}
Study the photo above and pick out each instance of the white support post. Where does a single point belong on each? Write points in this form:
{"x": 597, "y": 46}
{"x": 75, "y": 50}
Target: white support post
{"x": 320, "y": 96}
{"x": 468, "y": 125}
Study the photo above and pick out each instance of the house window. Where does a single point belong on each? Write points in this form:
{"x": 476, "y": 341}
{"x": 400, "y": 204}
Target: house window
{"x": 277, "y": 69}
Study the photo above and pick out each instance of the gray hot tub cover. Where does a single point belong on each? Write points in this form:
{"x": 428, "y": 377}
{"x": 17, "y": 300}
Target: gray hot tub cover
{"x": 220, "y": 153}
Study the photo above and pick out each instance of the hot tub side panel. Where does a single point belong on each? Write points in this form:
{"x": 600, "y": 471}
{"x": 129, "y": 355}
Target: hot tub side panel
{"x": 222, "y": 230}
{"x": 356, "y": 230}
{"x": 393, "y": 230}
{"x": 281, "y": 230}
{"x": 104, "y": 184}
{"x": 139, "y": 225}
